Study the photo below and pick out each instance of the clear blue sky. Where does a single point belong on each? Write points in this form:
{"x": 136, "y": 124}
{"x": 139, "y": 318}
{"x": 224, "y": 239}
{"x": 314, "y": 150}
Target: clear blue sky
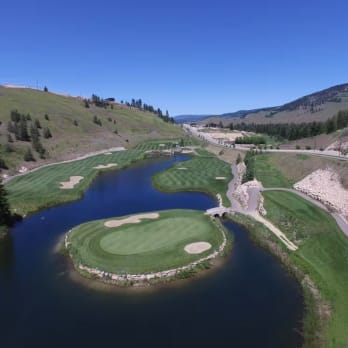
{"x": 185, "y": 56}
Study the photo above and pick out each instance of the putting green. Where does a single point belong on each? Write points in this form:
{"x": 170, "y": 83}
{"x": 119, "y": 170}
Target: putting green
{"x": 152, "y": 245}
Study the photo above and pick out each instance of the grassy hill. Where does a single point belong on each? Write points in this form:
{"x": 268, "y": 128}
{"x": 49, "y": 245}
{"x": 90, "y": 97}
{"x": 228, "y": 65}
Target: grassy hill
{"x": 317, "y": 106}
{"x": 71, "y": 124}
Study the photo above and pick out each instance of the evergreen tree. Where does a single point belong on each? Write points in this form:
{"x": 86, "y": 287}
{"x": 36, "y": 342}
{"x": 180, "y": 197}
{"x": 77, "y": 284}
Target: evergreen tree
{"x": 45, "y": 89}
{"x": 23, "y": 130}
{"x": 5, "y": 214}
{"x": 3, "y": 164}
{"x": 47, "y": 133}
{"x": 37, "y": 123}
{"x": 46, "y": 117}
{"x": 28, "y": 156}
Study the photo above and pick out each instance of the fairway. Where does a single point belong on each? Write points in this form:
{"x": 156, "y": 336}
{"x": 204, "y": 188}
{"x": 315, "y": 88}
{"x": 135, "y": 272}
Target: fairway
{"x": 199, "y": 174}
{"x": 43, "y": 188}
{"x": 322, "y": 253}
{"x": 146, "y": 246}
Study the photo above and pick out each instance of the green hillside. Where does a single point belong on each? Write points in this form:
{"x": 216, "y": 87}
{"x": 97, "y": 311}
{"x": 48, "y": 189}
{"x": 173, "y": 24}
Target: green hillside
{"x": 71, "y": 124}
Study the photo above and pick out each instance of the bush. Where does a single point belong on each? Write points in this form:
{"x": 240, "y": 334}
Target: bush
{"x": 76, "y": 123}
{"x": 308, "y": 147}
{"x": 298, "y": 147}
{"x": 28, "y": 156}
{"x": 3, "y": 164}
{"x": 321, "y": 149}
{"x": 46, "y": 117}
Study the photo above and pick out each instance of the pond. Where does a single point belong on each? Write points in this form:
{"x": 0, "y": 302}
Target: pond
{"x": 249, "y": 301}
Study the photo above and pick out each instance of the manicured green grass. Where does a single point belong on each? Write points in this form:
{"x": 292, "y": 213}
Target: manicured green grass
{"x": 166, "y": 144}
{"x": 149, "y": 246}
{"x": 41, "y": 188}
{"x": 200, "y": 175}
{"x": 322, "y": 253}
{"x": 269, "y": 174}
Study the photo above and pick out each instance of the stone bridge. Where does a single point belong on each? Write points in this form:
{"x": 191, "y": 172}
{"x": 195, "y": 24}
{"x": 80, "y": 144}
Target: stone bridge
{"x": 218, "y": 211}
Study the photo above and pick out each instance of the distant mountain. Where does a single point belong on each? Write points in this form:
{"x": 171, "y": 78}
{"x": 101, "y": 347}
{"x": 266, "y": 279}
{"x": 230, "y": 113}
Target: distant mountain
{"x": 318, "y": 106}
{"x": 196, "y": 118}
{"x": 189, "y": 118}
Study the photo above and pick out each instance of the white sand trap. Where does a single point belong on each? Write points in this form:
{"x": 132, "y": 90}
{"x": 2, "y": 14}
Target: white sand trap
{"x": 74, "y": 180}
{"x": 108, "y": 153}
{"x": 197, "y": 248}
{"x": 182, "y": 168}
{"x": 162, "y": 145}
{"x": 131, "y": 220}
{"x": 101, "y": 166}
{"x": 220, "y": 178}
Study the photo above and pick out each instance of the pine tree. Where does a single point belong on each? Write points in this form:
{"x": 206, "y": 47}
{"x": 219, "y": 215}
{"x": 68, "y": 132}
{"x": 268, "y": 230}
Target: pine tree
{"x": 47, "y": 133}
{"x": 23, "y": 130}
{"x": 28, "y": 156}
{"x": 37, "y": 124}
{"x": 5, "y": 214}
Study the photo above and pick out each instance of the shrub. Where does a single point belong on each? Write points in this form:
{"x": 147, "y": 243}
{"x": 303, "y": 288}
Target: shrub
{"x": 28, "y": 156}
{"x": 308, "y": 147}
{"x": 298, "y": 147}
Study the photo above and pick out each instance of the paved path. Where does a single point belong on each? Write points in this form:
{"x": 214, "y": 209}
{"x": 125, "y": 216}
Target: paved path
{"x": 341, "y": 221}
{"x": 251, "y": 210}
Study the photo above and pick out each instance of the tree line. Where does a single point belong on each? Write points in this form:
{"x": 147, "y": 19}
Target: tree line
{"x": 294, "y": 131}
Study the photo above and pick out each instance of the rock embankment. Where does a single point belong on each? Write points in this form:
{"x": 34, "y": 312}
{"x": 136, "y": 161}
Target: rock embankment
{"x": 325, "y": 186}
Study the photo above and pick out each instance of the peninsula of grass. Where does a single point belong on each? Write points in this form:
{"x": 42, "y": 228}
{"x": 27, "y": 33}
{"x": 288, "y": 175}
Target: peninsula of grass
{"x": 42, "y": 188}
{"x": 204, "y": 174}
{"x": 323, "y": 256}
{"x": 134, "y": 247}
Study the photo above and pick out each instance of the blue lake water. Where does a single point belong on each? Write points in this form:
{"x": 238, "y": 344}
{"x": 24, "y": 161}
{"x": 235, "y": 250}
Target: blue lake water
{"x": 249, "y": 301}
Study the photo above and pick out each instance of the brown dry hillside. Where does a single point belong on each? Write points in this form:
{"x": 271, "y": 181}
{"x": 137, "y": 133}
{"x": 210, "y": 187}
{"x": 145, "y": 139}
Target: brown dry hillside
{"x": 71, "y": 124}
{"x": 317, "y": 106}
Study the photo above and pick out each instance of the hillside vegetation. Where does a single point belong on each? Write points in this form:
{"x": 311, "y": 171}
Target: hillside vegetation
{"x": 75, "y": 128}
{"x": 317, "y": 106}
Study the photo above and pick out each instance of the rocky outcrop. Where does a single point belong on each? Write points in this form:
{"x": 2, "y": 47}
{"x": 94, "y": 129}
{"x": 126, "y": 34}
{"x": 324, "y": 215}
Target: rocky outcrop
{"x": 325, "y": 186}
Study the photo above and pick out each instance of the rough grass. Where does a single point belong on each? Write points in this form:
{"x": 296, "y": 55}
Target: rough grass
{"x": 322, "y": 253}
{"x": 149, "y": 246}
{"x": 200, "y": 175}
{"x": 41, "y": 188}
{"x": 285, "y": 169}
{"x": 132, "y": 125}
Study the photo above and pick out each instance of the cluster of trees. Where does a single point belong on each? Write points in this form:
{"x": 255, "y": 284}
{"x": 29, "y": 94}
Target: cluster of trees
{"x": 26, "y": 129}
{"x": 294, "y": 131}
{"x": 138, "y": 103}
{"x": 249, "y": 161}
{"x": 252, "y": 139}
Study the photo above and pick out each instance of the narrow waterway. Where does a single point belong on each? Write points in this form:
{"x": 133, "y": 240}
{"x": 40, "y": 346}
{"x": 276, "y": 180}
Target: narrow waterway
{"x": 248, "y": 302}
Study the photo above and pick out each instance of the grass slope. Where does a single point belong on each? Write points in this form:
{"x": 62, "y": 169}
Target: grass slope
{"x": 285, "y": 169}
{"x": 200, "y": 175}
{"x": 323, "y": 254}
{"x": 68, "y": 140}
{"x": 149, "y": 246}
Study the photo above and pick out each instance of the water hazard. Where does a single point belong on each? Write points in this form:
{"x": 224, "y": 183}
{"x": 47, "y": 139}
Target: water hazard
{"x": 249, "y": 301}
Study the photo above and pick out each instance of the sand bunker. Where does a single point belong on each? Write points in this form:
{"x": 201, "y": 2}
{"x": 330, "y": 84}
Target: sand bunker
{"x": 74, "y": 180}
{"x": 197, "y": 248}
{"x": 182, "y": 168}
{"x": 220, "y": 178}
{"x": 131, "y": 220}
{"x": 108, "y": 153}
{"x": 101, "y": 166}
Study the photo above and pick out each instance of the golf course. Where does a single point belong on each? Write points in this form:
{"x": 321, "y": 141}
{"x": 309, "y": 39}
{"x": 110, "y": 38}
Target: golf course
{"x": 202, "y": 173}
{"x": 145, "y": 243}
